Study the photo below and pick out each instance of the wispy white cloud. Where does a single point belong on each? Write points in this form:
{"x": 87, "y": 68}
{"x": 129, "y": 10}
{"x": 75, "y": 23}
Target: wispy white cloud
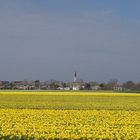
{"x": 106, "y": 12}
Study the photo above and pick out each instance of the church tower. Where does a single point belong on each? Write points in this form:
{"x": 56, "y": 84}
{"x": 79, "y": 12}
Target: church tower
{"x": 75, "y": 77}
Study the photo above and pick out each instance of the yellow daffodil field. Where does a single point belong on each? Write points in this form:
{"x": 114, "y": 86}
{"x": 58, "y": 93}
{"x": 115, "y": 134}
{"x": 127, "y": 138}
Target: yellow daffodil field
{"x": 69, "y": 115}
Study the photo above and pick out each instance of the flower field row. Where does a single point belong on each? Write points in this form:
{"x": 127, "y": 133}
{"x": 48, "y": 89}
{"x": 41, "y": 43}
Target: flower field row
{"x": 69, "y": 100}
{"x": 69, "y": 124}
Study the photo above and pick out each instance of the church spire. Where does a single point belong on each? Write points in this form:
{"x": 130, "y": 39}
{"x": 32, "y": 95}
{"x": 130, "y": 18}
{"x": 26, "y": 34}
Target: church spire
{"x": 75, "y": 77}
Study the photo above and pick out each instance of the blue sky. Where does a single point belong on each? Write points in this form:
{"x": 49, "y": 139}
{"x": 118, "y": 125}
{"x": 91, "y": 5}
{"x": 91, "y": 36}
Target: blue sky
{"x": 126, "y": 8}
{"x": 45, "y": 39}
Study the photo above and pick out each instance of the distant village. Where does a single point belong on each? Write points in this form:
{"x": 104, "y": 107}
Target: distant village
{"x": 76, "y": 84}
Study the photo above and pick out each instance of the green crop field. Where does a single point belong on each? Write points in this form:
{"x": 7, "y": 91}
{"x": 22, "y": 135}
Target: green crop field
{"x": 69, "y": 115}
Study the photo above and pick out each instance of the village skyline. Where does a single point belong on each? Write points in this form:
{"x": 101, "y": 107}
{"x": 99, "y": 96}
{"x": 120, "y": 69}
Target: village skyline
{"x": 75, "y": 84}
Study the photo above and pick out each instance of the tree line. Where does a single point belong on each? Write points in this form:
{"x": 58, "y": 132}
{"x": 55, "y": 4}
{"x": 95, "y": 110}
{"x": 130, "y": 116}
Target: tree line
{"x": 78, "y": 85}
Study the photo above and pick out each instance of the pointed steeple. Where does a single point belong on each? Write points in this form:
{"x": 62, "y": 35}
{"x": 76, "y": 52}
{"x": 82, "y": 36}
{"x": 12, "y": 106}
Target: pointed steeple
{"x": 75, "y": 77}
